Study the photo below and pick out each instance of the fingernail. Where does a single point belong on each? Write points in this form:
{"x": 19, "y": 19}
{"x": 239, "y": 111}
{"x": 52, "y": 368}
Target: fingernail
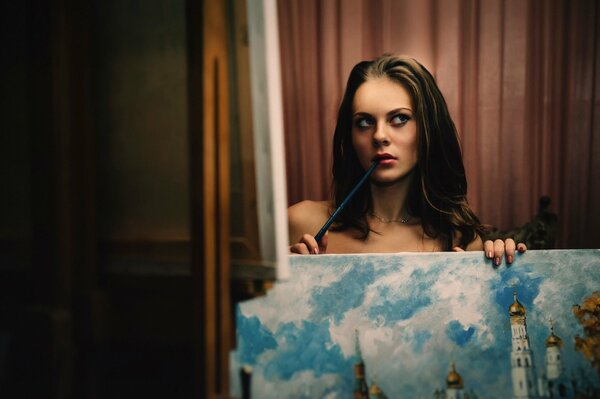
{"x": 509, "y": 259}
{"x": 316, "y": 251}
{"x": 489, "y": 255}
{"x": 497, "y": 261}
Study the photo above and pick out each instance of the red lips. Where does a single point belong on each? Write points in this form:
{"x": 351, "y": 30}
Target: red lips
{"x": 383, "y": 156}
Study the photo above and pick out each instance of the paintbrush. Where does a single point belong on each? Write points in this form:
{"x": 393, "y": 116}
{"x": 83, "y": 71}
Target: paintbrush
{"x": 325, "y": 227}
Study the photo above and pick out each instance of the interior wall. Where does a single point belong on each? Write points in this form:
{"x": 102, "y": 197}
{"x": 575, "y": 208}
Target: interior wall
{"x": 15, "y": 160}
{"x": 96, "y": 292}
{"x": 139, "y": 76}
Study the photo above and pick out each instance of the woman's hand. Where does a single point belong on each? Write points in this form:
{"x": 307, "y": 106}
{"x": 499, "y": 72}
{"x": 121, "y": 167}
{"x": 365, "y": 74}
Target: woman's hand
{"x": 496, "y": 250}
{"x": 308, "y": 245}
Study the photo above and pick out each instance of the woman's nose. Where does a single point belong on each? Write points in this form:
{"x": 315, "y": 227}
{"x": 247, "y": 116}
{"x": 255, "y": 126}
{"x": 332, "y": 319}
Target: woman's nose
{"x": 380, "y": 136}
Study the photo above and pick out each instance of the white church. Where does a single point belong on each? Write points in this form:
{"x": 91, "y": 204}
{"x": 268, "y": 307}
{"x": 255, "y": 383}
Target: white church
{"x": 526, "y": 383}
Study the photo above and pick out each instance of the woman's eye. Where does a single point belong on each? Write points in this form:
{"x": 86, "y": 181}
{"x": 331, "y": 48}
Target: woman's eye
{"x": 399, "y": 119}
{"x": 363, "y": 123}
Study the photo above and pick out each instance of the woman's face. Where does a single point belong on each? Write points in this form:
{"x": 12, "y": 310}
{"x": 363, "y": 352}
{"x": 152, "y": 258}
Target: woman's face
{"x": 384, "y": 127}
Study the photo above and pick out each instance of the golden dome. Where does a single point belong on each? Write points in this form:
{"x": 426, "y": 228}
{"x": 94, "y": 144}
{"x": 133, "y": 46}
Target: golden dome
{"x": 516, "y": 309}
{"x": 454, "y": 379}
{"x": 375, "y": 390}
{"x": 553, "y": 340}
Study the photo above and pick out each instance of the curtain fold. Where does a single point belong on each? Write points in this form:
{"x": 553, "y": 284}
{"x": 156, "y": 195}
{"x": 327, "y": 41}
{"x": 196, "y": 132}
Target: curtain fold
{"x": 520, "y": 79}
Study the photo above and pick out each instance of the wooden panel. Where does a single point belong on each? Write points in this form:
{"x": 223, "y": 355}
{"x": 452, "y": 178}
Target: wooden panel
{"x": 208, "y": 91}
{"x": 244, "y": 218}
{"x": 141, "y": 119}
{"x": 216, "y": 207}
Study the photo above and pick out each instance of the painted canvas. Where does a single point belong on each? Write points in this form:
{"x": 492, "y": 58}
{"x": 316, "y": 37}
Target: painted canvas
{"x": 443, "y": 325}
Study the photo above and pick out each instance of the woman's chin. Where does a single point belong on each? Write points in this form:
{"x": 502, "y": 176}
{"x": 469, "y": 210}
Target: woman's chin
{"x": 388, "y": 181}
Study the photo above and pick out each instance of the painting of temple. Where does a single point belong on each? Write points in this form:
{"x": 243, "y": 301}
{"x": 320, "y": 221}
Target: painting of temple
{"x": 552, "y": 381}
{"x": 417, "y": 326}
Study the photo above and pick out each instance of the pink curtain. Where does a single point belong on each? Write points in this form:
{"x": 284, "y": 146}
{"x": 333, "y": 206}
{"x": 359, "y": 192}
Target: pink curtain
{"x": 521, "y": 79}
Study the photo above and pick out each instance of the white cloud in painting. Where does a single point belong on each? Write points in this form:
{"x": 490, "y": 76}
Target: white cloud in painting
{"x": 293, "y": 302}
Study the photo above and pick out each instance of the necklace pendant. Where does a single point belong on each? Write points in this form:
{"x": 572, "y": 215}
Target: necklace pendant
{"x": 387, "y": 221}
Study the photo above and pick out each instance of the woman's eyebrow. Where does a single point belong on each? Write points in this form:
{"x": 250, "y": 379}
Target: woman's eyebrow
{"x": 399, "y": 109}
{"x": 395, "y": 110}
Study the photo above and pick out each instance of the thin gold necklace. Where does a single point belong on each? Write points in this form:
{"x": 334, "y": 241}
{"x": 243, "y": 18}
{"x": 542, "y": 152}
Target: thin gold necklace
{"x": 386, "y": 221}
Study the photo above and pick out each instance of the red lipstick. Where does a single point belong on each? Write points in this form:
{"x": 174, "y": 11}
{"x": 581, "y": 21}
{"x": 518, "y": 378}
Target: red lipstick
{"x": 384, "y": 158}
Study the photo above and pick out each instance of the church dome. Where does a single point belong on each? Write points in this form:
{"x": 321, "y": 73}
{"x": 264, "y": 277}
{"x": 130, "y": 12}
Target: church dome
{"x": 553, "y": 340}
{"x": 375, "y": 390}
{"x": 454, "y": 379}
{"x": 376, "y": 393}
{"x": 516, "y": 309}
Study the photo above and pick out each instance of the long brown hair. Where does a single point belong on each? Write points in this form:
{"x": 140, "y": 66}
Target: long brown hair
{"x": 437, "y": 194}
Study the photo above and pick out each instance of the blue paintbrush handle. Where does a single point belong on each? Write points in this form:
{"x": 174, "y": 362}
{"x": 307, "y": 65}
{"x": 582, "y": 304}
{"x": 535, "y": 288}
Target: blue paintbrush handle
{"x": 325, "y": 227}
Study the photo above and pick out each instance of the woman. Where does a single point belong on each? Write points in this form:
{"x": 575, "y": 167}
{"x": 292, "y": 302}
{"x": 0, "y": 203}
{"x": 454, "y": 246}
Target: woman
{"x": 394, "y": 113}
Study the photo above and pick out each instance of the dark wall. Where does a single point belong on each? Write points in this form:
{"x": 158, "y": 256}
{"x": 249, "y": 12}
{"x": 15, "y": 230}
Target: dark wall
{"x": 95, "y": 282}
{"x": 139, "y": 75}
{"x": 15, "y": 161}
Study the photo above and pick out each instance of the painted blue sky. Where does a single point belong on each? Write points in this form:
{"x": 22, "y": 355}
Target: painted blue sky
{"x": 416, "y": 313}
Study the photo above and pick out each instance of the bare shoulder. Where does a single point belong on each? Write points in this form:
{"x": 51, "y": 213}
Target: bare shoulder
{"x": 309, "y": 209}
{"x": 476, "y": 244}
{"x": 306, "y": 217}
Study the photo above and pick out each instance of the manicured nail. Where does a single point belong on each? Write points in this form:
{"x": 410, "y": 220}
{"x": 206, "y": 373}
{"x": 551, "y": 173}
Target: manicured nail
{"x": 497, "y": 261}
{"x": 489, "y": 255}
{"x": 509, "y": 259}
{"x": 316, "y": 251}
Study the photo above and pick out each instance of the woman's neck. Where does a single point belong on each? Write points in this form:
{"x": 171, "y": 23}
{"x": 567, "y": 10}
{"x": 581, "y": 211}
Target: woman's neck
{"x": 389, "y": 202}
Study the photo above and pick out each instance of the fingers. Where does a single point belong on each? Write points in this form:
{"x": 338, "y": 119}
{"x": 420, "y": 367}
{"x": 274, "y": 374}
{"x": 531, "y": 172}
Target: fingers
{"x": 509, "y": 248}
{"x": 308, "y": 245}
{"x": 311, "y": 244}
{"x": 498, "y": 251}
{"x": 299, "y": 249}
{"x": 494, "y": 250}
{"x": 458, "y": 249}
{"x": 488, "y": 249}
